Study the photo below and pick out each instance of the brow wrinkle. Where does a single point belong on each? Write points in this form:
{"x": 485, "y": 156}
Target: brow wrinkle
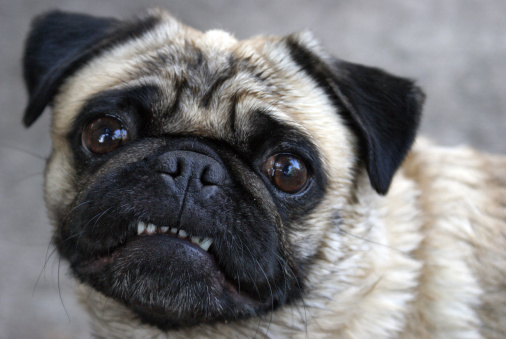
{"x": 206, "y": 99}
{"x": 181, "y": 85}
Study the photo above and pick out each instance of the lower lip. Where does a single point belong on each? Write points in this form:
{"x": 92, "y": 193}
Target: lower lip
{"x": 145, "y": 248}
{"x": 164, "y": 253}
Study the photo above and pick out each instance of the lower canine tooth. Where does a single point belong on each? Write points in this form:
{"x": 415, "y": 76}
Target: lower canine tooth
{"x": 141, "y": 227}
{"x": 206, "y": 243}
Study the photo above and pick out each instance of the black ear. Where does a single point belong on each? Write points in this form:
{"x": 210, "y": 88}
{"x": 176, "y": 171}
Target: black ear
{"x": 60, "y": 43}
{"x": 383, "y": 110}
{"x": 56, "y": 45}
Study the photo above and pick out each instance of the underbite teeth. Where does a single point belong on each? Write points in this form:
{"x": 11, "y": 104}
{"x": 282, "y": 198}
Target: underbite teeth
{"x": 205, "y": 244}
{"x": 141, "y": 227}
{"x": 149, "y": 229}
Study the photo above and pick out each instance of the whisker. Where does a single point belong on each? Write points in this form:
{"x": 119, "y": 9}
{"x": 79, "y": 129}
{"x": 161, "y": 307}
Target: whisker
{"x": 28, "y": 176}
{"x": 43, "y": 270}
{"x": 285, "y": 267}
{"x": 75, "y": 207}
{"x": 59, "y": 290}
{"x": 21, "y": 150}
{"x": 372, "y": 242}
{"x": 270, "y": 289}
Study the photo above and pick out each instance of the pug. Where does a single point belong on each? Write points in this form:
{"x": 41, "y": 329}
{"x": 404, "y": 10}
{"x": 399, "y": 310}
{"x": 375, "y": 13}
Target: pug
{"x": 201, "y": 186}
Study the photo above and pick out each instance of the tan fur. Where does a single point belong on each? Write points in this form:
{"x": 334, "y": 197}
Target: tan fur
{"x": 431, "y": 267}
{"x": 464, "y": 208}
{"x": 425, "y": 261}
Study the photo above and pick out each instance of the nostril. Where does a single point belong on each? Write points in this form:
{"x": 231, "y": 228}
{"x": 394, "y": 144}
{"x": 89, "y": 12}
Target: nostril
{"x": 172, "y": 166}
{"x": 211, "y": 175}
{"x": 191, "y": 168}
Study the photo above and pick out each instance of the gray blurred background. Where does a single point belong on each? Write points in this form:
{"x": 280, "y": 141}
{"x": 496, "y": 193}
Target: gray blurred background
{"x": 456, "y": 49}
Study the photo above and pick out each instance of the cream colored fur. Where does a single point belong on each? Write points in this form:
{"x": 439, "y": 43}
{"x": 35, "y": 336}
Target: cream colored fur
{"x": 425, "y": 261}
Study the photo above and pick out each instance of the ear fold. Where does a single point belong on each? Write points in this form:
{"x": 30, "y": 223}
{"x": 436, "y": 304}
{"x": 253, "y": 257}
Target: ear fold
{"x": 60, "y": 43}
{"x": 56, "y": 44}
{"x": 383, "y": 110}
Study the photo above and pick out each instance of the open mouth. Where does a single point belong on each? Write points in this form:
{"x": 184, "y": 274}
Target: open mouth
{"x": 150, "y": 229}
{"x": 159, "y": 270}
{"x": 145, "y": 229}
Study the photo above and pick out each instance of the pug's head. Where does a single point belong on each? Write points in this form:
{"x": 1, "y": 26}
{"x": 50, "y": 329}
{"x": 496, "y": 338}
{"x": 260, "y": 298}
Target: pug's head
{"x": 194, "y": 176}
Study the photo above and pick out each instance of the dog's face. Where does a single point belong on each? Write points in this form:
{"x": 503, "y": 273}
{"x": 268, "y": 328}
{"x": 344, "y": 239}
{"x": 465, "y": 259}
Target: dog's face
{"x": 194, "y": 176}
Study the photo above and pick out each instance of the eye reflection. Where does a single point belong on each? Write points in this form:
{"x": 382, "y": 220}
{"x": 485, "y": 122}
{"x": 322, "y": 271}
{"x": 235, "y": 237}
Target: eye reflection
{"x": 104, "y": 134}
{"x": 287, "y": 172}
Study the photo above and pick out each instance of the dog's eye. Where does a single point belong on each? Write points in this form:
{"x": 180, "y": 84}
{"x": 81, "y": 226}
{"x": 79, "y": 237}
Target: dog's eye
{"x": 103, "y": 135}
{"x": 287, "y": 172}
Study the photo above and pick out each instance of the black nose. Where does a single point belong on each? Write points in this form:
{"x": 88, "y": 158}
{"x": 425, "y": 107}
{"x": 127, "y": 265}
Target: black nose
{"x": 189, "y": 171}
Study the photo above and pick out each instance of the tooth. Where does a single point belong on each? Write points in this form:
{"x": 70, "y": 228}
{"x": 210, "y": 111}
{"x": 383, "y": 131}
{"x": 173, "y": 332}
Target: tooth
{"x": 173, "y": 230}
{"x": 183, "y": 233}
{"x": 151, "y": 229}
{"x": 195, "y": 240}
{"x": 141, "y": 227}
{"x": 206, "y": 243}
{"x": 164, "y": 229}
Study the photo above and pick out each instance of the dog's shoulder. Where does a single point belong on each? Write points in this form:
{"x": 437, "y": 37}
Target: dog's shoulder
{"x": 491, "y": 258}
{"x": 472, "y": 182}
{"x": 463, "y": 197}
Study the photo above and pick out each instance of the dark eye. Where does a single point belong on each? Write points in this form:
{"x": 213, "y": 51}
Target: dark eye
{"x": 287, "y": 172}
{"x": 103, "y": 135}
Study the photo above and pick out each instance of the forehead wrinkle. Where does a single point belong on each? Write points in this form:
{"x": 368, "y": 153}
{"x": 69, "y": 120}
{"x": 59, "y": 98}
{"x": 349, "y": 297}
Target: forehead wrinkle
{"x": 198, "y": 62}
{"x": 243, "y": 90}
{"x": 186, "y": 64}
